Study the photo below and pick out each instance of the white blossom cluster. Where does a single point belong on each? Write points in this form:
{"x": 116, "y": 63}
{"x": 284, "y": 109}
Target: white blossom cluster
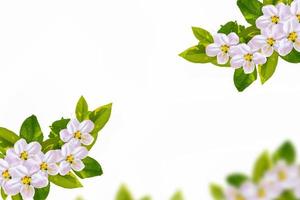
{"x": 279, "y": 179}
{"x": 280, "y": 32}
{"x": 25, "y": 167}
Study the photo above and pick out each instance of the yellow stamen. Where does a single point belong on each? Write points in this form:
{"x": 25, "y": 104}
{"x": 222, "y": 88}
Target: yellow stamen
{"x": 225, "y": 48}
{"x": 282, "y": 176}
{"x": 26, "y": 180}
{"x": 239, "y": 197}
{"x": 77, "y": 135}
{"x": 271, "y": 41}
{"x": 24, "y": 155}
{"x": 44, "y": 166}
{"x": 6, "y": 175}
{"x": 275, "y": 19}
{"x": 298, "y": 17}
{"x": 261, "y": 193}
{"x": 293, "y": 37}
{"x": 248, "y": 57}
{"x": 70, "y": 159}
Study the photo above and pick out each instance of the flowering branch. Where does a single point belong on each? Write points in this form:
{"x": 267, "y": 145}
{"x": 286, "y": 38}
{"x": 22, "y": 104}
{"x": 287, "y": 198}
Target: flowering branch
{"x": 28, "y": 163}
{"x": 274, "y": 32}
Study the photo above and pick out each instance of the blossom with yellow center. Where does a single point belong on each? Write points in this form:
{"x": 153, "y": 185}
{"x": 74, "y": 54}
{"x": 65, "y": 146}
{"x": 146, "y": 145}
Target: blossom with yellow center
{"x": 6, "y": 175}
{"x": 248, "y": 57}
{"x": 275, "y": 19}
{"x": 24, "y": 155}
{"x": 26, "y": 180}
{"x": 293, "y": 36}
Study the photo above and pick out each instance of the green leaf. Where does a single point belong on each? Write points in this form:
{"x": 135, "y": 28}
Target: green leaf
{"x": 250, "y": 9}
{"x": 285, "y": 152}
{"x": 17, "y": 197}
{"x": 287, "y": 195}
{"x": 146, "y": 198}
{"x": 51, "y": 144}
{"x": 57, "y": 126}
{"x": 123, "y": 194}
{"x": 242, "y": 80}
{"x": 293, "y": 57}
{"x": 100, "y": 117}
{"x": 203, "y": 36}
{"x": 230, "y": 27}
{"x": 236, "y": 179}
{"x": 261, "y": 166}
{"x": 68, "y": 181}
{"x": 7, "y": 139}
{"x": 271, "y": 2}
{"x": 177, "y": 196}
{"x": 92, "y": 168}
{"x": 81, "y": 109}
{"x": 217, "y": 192}
{"x": 3, "y": 195}
{"x": 247, "y": 34}
{"x": 41, "y": 193}
{"x": 196, "y": 54}
{"x": 267, "y": 70}
{"x": 31, "y": 130}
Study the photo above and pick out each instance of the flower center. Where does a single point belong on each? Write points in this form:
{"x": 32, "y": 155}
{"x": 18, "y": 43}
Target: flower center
{"x": 70, "y": 159}
{"x": 282, "y": 175}
{"x": 24, "y": 155}
{"x": 6, "y": 175}
{"x": 26, "y": 180}
{"x": 77, "y": 135}
{"x": 44, "y": 166}
{"x": 248, "y": 57}
{"x": 293, "y": 37}
{"x": 225, "y": 48}
{"x": 275, "y": 19}
{"x": 271, "y": 41}
{"x": 239, "y": 197}
{"x": 261, "y": 193}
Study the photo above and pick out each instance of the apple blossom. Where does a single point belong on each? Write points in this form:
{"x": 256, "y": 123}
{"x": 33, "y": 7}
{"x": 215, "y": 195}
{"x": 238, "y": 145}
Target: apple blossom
{"x": 72, "y": 154}
{"x": 48, "y": 162}
{"x": 246, "y": 57}
{"x": 78, "y": 131}
{"x": 221, "y": 47}
{"x": 292, "y": 38}
{"x": 295, "y": 10}
{"x": 5, "y": 172}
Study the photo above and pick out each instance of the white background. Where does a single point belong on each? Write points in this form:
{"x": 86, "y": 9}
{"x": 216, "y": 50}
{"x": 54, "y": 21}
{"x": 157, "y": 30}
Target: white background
{"x": 174, "y": 124}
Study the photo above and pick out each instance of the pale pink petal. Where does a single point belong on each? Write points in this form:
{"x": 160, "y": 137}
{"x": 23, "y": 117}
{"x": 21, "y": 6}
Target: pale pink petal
{"x": 73, "y": 125}
{"x": 34, "y": 148}
{"x": 86, "y": 126}
{"x": 66, "y": 149}
{"x": 87, "y": 139}
{"x": 53, "y": 169}
{"x": 20, "y": 146}
{"x": 222, "y": 58}
{"x": 77, "y": 165}
{"x": 237, "y": 61}
{"x": 267, "y": 50}
{"x": 12, "y": 187}
{"x": 32, "y": 166}
{"x": 12, "y": 158}
{"x": 221, "y": 39}
{"x": 212, "y": 50}
{"x": 39, "y": 181}
{"x": 285, "y": 47}
{"x": 64, "y": 168}
{"x": 283, "y": 11}
{"x": 80, "y": 152}
{"x": 65, "y": 135}
{"x": 295, "y": 7}
{"x": 3, "y": 165}
{"x": 270, "y": 10}
{"x": 248, "y": 67}
{"x": 19, "y": 171}
{"x": 263, "y": 22}
{"x": 233, "y": 38}
{"x": 297, "y": 45}
{"x": 52, "y": 156}
{"x": 258, "y": 42}
{"x": 259, "y": 59}
{"x": 27, "y": 192}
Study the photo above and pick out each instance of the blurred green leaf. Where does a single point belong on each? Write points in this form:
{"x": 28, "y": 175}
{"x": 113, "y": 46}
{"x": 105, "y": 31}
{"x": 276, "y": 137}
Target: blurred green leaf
{"x": 68, "y": 181}
{"x": 293, "y": 57}
{"x": 250, "y": 9}
{"x": 3, "y": 195}
{"x": 202, "y": 35}
{"x": 287, "y": 195}
{"x": 81, "y": 109}
{"x": 242, "y": 80}
{"x": 261, "y": 166}
{"x": 57, "y": 126}
{"x": 41, "y": 193}
{"x": 236, "y": 179}
{"x": 31, "y": 130}
{"x": 123, "y": 194}
{"x": 217, "y": 192}
{"x": 92, "y": 169}
{"x": 177, "y": 196}
{"x": 146, "y": 198}
{"x": 285, "y": 152}
{"x": 267, "y": 70}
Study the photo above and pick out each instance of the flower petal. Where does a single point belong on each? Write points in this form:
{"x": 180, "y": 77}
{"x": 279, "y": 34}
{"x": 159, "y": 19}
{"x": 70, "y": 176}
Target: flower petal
{"x": 65, "y": 135}
{"x": 73, "y": 125}
{"x": 222, "y": 58}
{"x": 285, "y": 47}
{"x": 295, "y": 7}
{"x": 27, "y": 192}
{"x": 86, "y": 126}
{"x": 248, "y": 67}
{"x": 80, "y": 152}
{"x": 88, "y": 139}
{"x": 52, "y": 156}
{"x": 20, "y": 146}
{"x": 77, "y": 165}
{"x": 34, "y": 148}
{"x": 263, "y": 22}
{"x": 284, "y": 11}
{"x": 233, "y": 38}
{"x": 267, "y": 50}
{"x": 270, "y": 10}
{"x": 19, "y": 171}
{"x": 212, "y": 50}
{"x": 64, "y": 168}
{"x": 3, "y": 165}
{"x": 12, "y": 187}
{"x": 259, "y": 59}
{"x": 53, "y": 169}
{"x": 237, "y": 61}
{"x": 257, "y": 42}
{"x": 221, "y": 39}
{"x": 297, "y": 45}
{"x": 39, "y": 181}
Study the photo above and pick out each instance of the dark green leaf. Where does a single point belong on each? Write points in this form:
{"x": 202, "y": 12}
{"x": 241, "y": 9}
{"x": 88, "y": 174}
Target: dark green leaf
{"x": 285, "y": 152}
{"x": 57, "y": 126}
{"x": 81, "y": 109}
{"x": 92, "y": 168}
{"x": 41, "y": 193}
{"x": 123, "y": 194}
{"x": 247, "y": 34}
{"x": 250, "y": 9}
{"x": 267, "y": 70}
{"x": 236, "y": 179}
{"x": 68, "y": 181}
{"x": 177, "y": 196}
{"x": 51, "y": 144}
{"x": 287, "y": 195}
{"x": 231, "y": 27}
{"x": 3, "y": 195}
{"x": 196, "y": 54}
{"x": 31, "y": 130}
{"x": 17, "y": 197}
{"x": 203, "y": 36}
{"x": 217, "y": 192}
{"x": 293, "y": 57}
{"x": 271, "y": 2}
{"x": 7, "y": 139}
{"x": 261, "y": 166}
{"x": 242, "y": 80}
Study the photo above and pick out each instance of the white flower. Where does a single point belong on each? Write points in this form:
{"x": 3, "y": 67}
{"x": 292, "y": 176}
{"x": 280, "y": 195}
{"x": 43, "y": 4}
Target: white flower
{"x": 232, "y": 193}
{"x": 78, "y": 131}
{"x": 246, "y": 57}
{"x": 273, "y": 16}
{"x": 262, "y": 191}
{"x": 48, "y": 162}
{"x": 72, "y": 154}
{"x": 5, "y": 172}
{"x": 24, "y": 180}
{"x": 23, "y": 152}
{"x": 267, "y": 42}
{"x": 295, "y": 10}
{"x": 221, "y": 47}
{"x": 292, "y": 38}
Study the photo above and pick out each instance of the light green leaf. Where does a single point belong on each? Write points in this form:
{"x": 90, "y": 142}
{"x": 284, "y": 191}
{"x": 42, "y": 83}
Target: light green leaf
{"x": 203, "y": 36}
{"x": 146, "y": 198}
{"x": 231, "y": 27}
{"x": 285, "y": 152}
{"x": 17, "y": 197}
{"x": 177, "y": 196}
{"x": 242, "y": 80}
{"x": 293, "y": 57}
{"x": 236, "y": 179}
{"x": 31, "y": 130}
{"x": 3, "y": 195}
{"x": 196, "y": 54}
{"x": 57, "y": 126}
{"x": 217, "y": 192}
{"x": 247, "y": 34}
{"x": 267, "y": 70}
{"x": 68, "y": 181}
{"x": 7, "y": 139}
{"x": 261, "y": 166}
{"x": 123, "y": 194}
{"x": 51, "y": 144}
{"x": 92, "y": 169}
{"x": 250, "y": 9}
{"x": 271, "y": 2}
{"x": 81, "y": 109}
{"x": 41, "y": 193}
{"x": 287, "y": 195}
